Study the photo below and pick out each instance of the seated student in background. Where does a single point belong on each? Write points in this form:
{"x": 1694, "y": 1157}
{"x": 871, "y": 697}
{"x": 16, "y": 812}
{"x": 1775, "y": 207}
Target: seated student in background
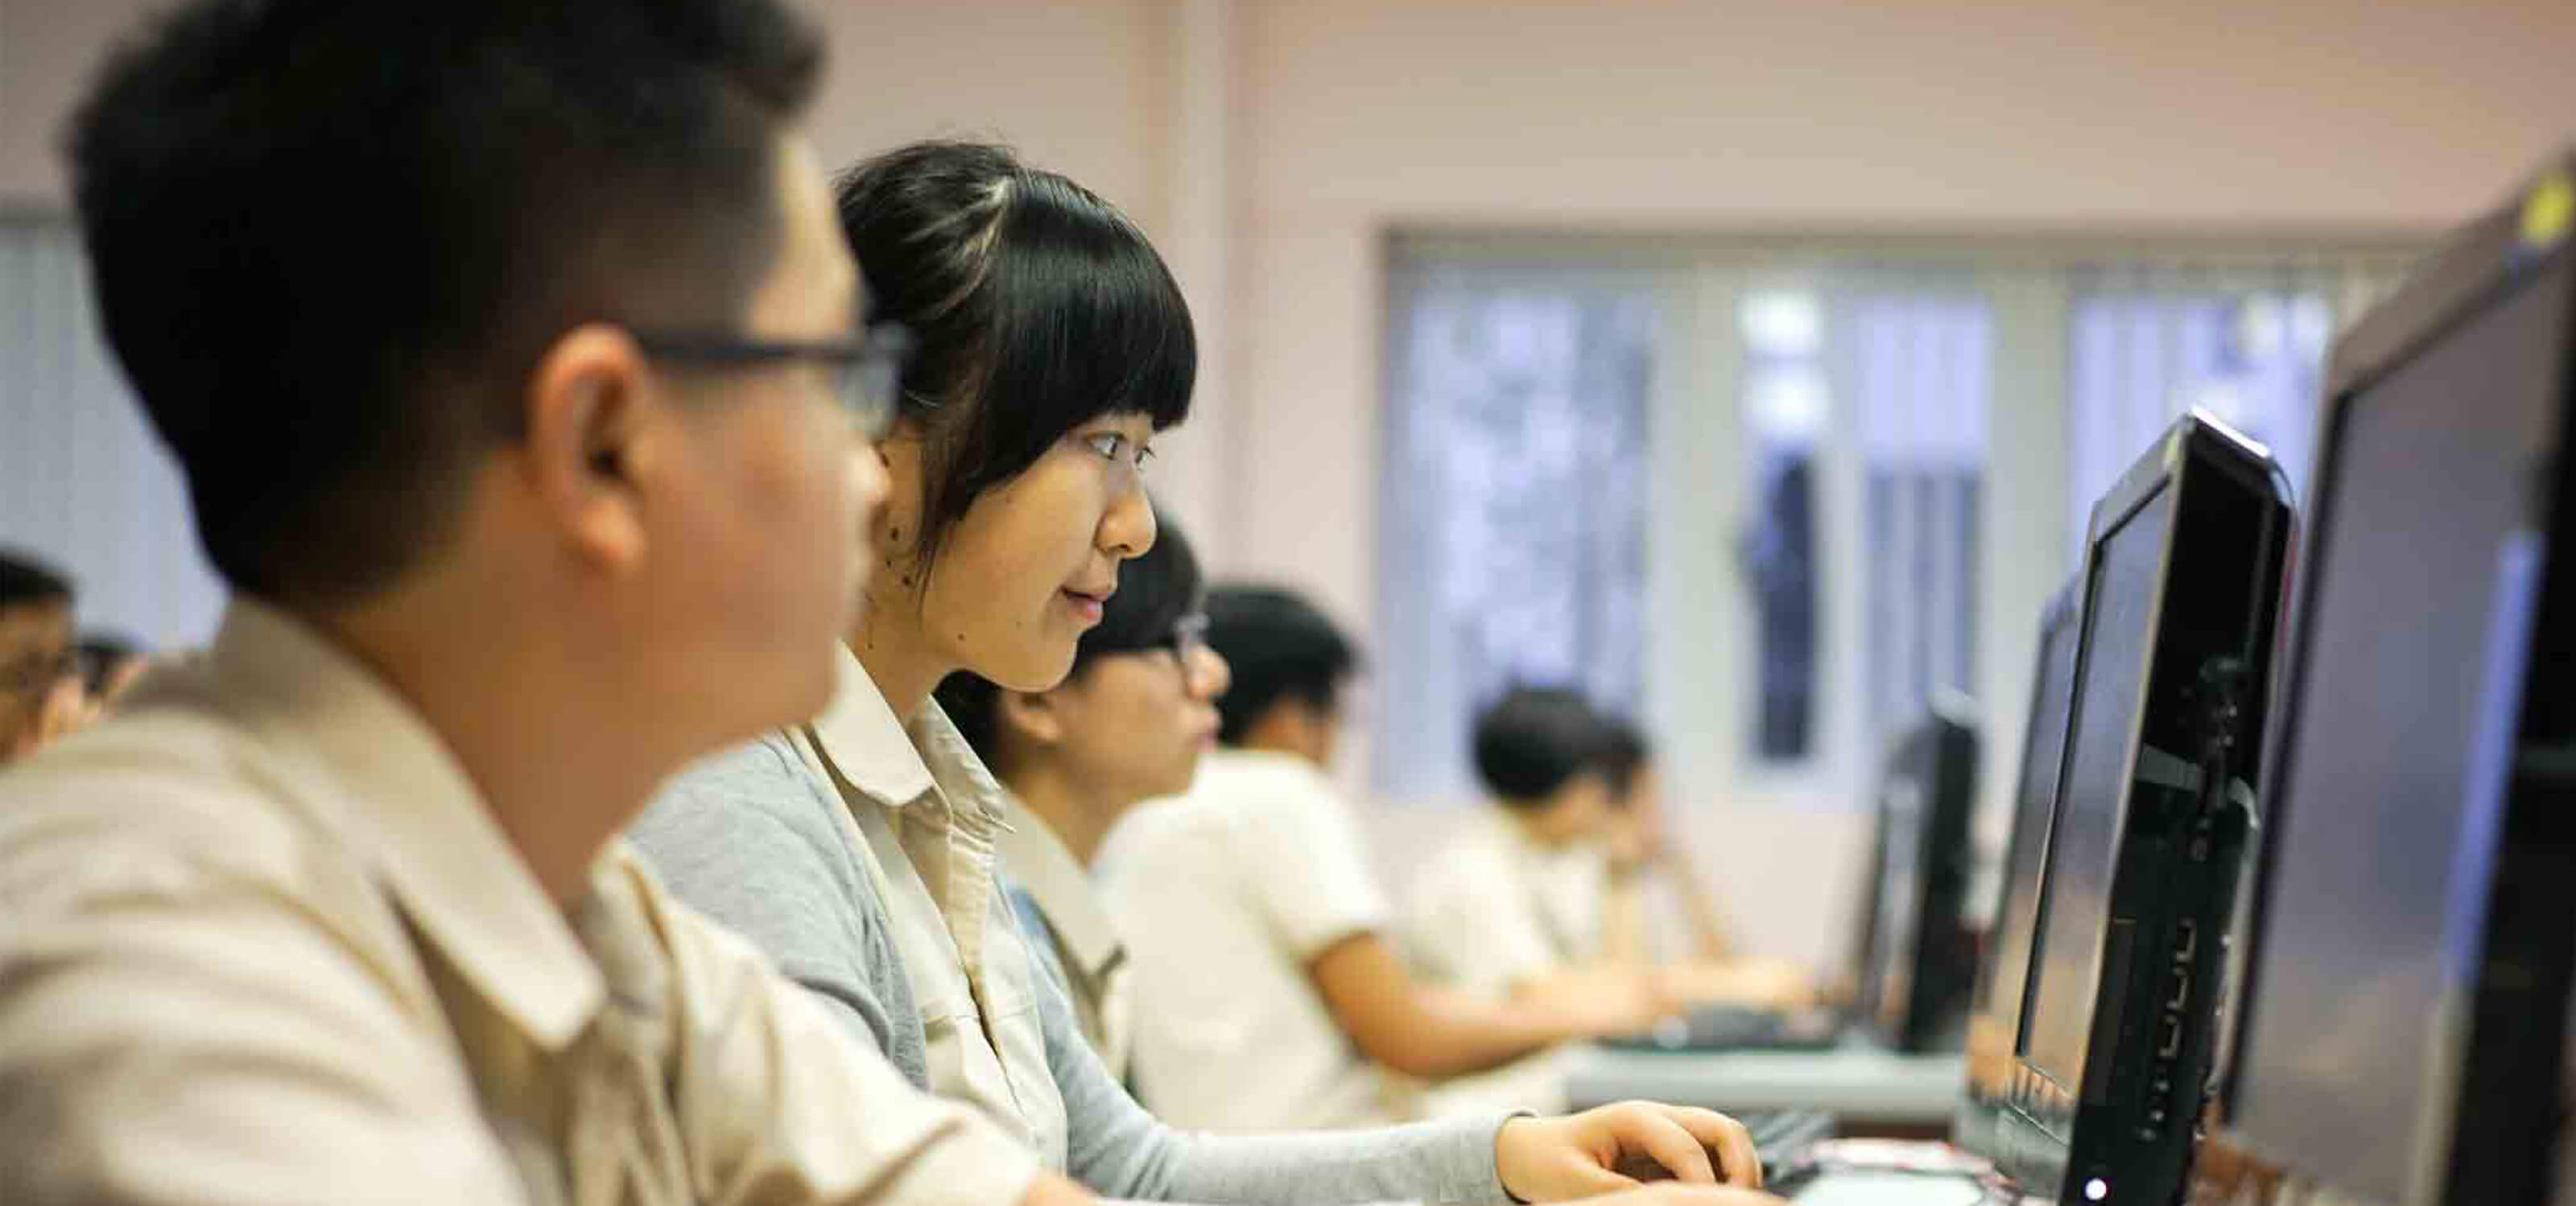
{"x": 860, "y": 849}
{"x": 1127, "y": 725}
{"x": 51, "y": 683}
{"x": 1657, "y": 909}
{"x": 109, "y": 665}
{"x": 1269, "y": 992}
{"x": 1518, "y": 901}
{"x": 507, "y": 352}
{"x": 41, "y": 698}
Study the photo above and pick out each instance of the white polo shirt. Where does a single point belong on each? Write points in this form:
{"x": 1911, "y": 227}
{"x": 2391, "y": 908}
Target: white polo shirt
{"x": 1226, "y": 896}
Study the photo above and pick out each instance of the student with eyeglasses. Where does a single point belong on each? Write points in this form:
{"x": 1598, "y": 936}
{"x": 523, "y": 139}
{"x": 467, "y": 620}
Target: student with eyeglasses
{"x": 1126, "y": 726}
{"x": 861, "y": 849}
{"x": 1265, "y": 951}
{"x": 336, "y": 912}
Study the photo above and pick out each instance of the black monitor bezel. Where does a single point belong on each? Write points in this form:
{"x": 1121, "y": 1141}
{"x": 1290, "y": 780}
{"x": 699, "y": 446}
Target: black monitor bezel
{"x": 1943, "y": 740}
{"x": 2203, "y": 444}
{"x": 1994, "y": 1025}
{"x": 2055, "y": 618}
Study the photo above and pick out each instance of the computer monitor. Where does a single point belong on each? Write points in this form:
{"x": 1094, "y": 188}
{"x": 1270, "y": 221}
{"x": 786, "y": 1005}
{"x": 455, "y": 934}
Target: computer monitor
{"x": 2182, "y": 585}
{"x": 1919, "y": 961}
{"x": 2406, "y": 992}
{"x": 1995, "y": 1010}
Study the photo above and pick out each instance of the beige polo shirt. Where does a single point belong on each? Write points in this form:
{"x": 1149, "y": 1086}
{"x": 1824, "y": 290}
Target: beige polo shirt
{"x": 264, "y": 944}
{"x": 1087, "y": 945}
{"x": 931, "y": 817}
{"x": 1226, "y": 896}
{"x": 1496, "y": 908}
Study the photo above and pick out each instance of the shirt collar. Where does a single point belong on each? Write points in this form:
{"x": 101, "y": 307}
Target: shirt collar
{"x": 1040, "y": 863}
{"x": 390, "y": 786}
{"x": 873, "y": 753}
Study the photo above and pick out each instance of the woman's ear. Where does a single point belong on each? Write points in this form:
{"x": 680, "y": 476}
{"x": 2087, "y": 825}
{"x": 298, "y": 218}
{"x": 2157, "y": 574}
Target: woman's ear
{"x": 898, "y": 529}
{"x": 1036, "y": 715}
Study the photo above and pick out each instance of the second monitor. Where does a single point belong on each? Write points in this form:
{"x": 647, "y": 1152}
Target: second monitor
{"x": 2182, "y": 588}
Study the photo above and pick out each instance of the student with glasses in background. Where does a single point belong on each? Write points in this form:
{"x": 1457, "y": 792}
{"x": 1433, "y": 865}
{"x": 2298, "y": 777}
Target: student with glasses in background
{"x": 1126, "y": 726}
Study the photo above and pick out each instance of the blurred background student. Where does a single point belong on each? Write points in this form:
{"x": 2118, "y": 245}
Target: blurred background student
{"x": 41, "y": 693}
{"x": 1658, "y": 909}
{"x": 1265, "y": 951}
{"x": 1519, "y": 899}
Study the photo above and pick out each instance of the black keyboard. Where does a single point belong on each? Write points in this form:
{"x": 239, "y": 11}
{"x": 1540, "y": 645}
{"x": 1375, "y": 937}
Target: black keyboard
{"x": 1739, "y": 1028}
{"x": 1781, "y": 1140}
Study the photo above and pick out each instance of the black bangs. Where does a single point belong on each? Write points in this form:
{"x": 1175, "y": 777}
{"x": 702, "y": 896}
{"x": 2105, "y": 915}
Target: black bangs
{"x": 1086, "y": 321}
{"x": 1155, "y": 590}
{"x": 1036, "y": 307}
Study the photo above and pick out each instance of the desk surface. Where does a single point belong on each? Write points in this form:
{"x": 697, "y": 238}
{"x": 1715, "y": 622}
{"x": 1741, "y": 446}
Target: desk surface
{"x": 1857, "y": 1083}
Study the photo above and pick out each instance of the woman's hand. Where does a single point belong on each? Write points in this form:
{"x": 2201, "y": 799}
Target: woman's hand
{"x": 1620, "y": 1147}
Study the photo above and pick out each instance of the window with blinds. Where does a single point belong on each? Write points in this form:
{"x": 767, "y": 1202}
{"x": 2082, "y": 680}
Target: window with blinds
{"x": 1778, "y": 500}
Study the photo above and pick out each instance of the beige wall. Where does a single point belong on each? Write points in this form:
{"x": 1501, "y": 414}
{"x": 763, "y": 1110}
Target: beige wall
{"x": 1831, "y": 113}
{"x": 1988, "y": 116}
{"x": 1344, "y": 118}
{"x": 1078, "y": 86}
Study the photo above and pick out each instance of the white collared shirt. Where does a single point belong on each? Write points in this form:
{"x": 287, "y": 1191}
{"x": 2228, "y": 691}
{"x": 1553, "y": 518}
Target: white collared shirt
{"x": 931, "y": 814}
{"x": 264, "y": 943}
{"x": 1087, "y": 943}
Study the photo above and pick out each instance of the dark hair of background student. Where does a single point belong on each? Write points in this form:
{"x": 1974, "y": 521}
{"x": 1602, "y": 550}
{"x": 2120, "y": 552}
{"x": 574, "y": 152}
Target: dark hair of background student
{"x": 1625, "y": 753}
{"x": 1534, "y": 740}
{"x": 1281, "y": 648}
{"x": 27, "y": 582}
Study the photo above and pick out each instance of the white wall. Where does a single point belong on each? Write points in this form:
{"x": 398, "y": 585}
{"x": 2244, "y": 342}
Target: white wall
{"x": 1342, "y": 119}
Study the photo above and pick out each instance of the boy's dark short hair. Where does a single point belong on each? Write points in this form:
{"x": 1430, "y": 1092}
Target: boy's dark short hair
{"x": 1280, "y": 647}
{"x": 1624, "y": 753}
{"x": 331, "y": 239}
{"x": 1534, "y": 740}
{"x": 27, "y": 582}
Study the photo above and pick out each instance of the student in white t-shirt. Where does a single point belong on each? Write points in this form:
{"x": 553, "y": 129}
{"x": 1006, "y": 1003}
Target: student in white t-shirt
{"x": 1658, "y": 909}
{"x": 1260, "y": 940}
{"x": 1518, "y": 899}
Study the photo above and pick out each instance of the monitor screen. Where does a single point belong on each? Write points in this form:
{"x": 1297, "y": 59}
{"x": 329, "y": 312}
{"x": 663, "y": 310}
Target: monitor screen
{"x": 2421, "y": 568}
{"x": 2120, "y": 603}
{"x": 1893, "y": 934}
{"x": 2043, "y": 755}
